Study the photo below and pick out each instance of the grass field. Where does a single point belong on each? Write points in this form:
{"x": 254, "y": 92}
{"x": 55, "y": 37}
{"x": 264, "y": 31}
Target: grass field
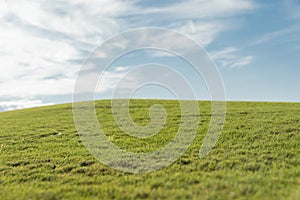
{"x": 256, "y": 157}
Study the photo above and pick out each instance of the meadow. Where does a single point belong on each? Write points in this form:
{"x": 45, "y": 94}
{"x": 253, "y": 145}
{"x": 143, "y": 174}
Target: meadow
{"x": 256, "y": 157}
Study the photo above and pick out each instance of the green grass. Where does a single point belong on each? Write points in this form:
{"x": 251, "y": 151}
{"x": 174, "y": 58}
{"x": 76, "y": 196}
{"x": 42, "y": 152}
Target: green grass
{"x": 256, "y": 157}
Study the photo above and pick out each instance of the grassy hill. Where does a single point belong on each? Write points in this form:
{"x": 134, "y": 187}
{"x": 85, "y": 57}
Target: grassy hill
{"x": 256, "y": 157}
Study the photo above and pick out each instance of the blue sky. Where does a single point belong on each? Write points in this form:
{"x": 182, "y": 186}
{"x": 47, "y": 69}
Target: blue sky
{"x": 255, "y": 45}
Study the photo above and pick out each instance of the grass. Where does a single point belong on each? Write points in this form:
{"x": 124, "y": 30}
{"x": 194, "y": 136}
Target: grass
{"x": 256, "y": 157}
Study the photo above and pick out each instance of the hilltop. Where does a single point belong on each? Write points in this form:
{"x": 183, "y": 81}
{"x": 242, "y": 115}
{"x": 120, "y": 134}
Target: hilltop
{"x": 257, "y": 155}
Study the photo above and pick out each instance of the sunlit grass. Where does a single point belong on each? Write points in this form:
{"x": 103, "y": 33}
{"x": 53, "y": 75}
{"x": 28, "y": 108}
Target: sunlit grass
{"x": 257, "y": 155}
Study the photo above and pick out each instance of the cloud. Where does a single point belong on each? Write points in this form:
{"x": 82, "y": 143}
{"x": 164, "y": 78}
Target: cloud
{"x": 228, "y": 58}
{"x": 202, "y": 32}
{"x": 292, "y": 8}
{"x": 84, "y": 21}
{"x": 43, "y": 43}
{"x": 20, "y": 104}
{"x": 195, "y": 9}
{"x": 27, "y": 87}
{"x": 201, "y": 20}
{"x": 284, "y": 34}
{"x": 241, "y": 62}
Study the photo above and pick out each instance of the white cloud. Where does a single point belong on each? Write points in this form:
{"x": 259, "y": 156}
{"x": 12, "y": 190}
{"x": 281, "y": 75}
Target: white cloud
{"x": 228, "y": 58}
{"x": 202, "y": 32}
{"x": 24, "y": 54}
{"x": 27, "y": 87}
{"x": 202, "y": 20}
{"x": 292, "y": 8}
{"x": 37, "y": 43}
{"x": 203, "y": 9}
{"x": 85, "y": 21}
{"x": 20, "y": 104}
{"x": 44, "y": 42}
{"x": 284, "y": 35}
{"x": 241, "y": 62}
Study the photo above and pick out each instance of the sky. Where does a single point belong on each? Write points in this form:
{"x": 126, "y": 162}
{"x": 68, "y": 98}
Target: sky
{"x": 43, "y": 44}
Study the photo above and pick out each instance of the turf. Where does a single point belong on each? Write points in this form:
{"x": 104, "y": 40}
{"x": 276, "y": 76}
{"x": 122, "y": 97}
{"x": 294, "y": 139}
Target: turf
{"x": 256, "y": 157}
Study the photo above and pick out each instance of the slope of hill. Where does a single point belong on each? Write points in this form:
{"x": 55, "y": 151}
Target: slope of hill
{"x": 256, "y": 157}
